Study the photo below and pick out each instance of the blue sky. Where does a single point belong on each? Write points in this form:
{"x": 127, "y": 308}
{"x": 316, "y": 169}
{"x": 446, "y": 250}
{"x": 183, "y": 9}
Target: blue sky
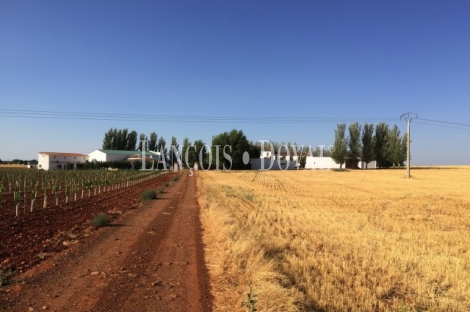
{"x": 338, "y": 61}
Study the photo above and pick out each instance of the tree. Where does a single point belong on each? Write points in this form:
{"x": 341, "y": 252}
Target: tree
{"x": 108, "y": 140}
{"x": 116, "y": 138}
{"x": 367, "y": 153}
{"x": 162, "y": 149}
{"x": 393, "y": 137}
{"x": 196, "y": 155}
{"x": 275, "y": 150}
{"x": 396, "y": 147}
{"x": 320, "y": 151}
{"x": 403, "y": 149}
{"x": 339, "y": 151}
{"x": 192, "y": 151}
{"x": 142, "y": 138}
{"x": 354, "y": 143}
{"x": 121, "y": 140}
{"x": 153, "y": 141}
{"x": 380, "y": 143}
{"x": 317, "y": 152}
{"x": 131, "y": 141}
{"x": 254, "y": 150}
{"x": 233, "y": 144}
{"x": 174, "y": 147}
{"x": 184, "y": 149}
{"x": 289, "y": 146}
{"x": 218, "y": 144}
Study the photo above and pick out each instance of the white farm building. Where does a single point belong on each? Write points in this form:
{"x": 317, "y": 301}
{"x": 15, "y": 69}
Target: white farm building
{"x": 269, "y": 161}
{"x": 65, "y": 161}
{"x": 321, "y": 163}
{"x": 101, "y": 155}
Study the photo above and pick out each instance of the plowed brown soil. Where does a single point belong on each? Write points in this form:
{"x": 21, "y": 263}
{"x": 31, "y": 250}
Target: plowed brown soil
{"x": 150, "y": 260}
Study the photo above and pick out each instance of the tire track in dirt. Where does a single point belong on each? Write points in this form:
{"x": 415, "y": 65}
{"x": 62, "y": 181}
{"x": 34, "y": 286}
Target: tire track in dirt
{"x": 153, "y": 261}
{"x": 164, "y": 270}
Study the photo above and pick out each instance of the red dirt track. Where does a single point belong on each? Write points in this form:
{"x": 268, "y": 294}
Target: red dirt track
{"x": 151, "y": 259}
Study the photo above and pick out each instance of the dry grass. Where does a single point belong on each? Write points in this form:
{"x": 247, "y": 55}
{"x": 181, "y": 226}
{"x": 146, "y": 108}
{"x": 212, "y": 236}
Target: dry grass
{"x": 339, "y": 241}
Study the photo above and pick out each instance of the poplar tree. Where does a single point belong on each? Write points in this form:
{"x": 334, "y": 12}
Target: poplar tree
{"x": 367, "y": 153}
{"x": 142, "y": 138}
{"x": 354, "y": 143}
{"x": 131, "y": 141}
{"x": 380, "y": 143}
{"x": 153, "y": 141}
{"x": 340, "y": 146}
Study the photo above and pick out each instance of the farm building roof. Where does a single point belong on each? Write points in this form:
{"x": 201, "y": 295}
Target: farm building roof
{"x": 62, "y": 154}
{"x": 130, "y": 153}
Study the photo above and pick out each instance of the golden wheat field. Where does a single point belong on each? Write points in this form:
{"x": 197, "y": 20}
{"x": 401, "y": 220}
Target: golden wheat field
{"x": 338, "y": 241}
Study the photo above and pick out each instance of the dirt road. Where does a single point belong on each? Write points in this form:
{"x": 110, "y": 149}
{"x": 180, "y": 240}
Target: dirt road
{"x": 150, "y": 261}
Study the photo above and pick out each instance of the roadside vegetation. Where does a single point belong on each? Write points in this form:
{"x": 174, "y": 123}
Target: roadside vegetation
{"x": 148, "y": 195}
{"x": 5, "y": 277}
{"x": 100, "y": 220}
{"x": 319, "y": 241}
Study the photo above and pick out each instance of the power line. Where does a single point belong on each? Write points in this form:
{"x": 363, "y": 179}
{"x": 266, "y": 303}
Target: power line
{"x": 35, "y": 114}
{"x": 444, "y": 126}
{"x": 204, "y": 120}
{"x": 446, "y": 122}
{"x": 442, "y": 150}
{"x": 76, "y": 115}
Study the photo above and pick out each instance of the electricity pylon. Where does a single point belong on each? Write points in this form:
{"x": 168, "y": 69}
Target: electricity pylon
{"x": 408, "y": 117}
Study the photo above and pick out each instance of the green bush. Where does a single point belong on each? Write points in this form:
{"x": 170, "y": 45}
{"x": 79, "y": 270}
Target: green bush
{"x": 100, "y": 220}
{"x": 166, "y": 184}
{"x": 251, "y": 301}
{"x": 176, "y": 178}
{"x": 5, "y": 277}
{"x": 249, "y": 197}
{"x": 160, "y": 191}
{"x": 148, "y": 195}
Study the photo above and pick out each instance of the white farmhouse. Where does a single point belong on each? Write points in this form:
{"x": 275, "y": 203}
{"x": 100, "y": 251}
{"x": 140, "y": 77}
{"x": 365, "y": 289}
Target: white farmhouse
{"x": 267, "y": 153}
{"x": 268, "y": 160}
{"x": 101, "y": 155}
{"x": 321, "y": 163}
{"x": 56, "y": 160}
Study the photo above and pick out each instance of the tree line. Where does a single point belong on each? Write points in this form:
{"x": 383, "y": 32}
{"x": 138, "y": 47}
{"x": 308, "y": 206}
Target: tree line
{"x": 365, "y": 142}
{"x": 383, "y": 144}
{"x": 188, "y": 152}
{"x": 123, "y": 139}
{"x": 19, "y": 162}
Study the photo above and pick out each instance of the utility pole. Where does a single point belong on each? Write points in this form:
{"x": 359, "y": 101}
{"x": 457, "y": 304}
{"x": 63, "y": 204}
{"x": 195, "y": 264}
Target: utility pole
{"x": 408, "y": 117}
